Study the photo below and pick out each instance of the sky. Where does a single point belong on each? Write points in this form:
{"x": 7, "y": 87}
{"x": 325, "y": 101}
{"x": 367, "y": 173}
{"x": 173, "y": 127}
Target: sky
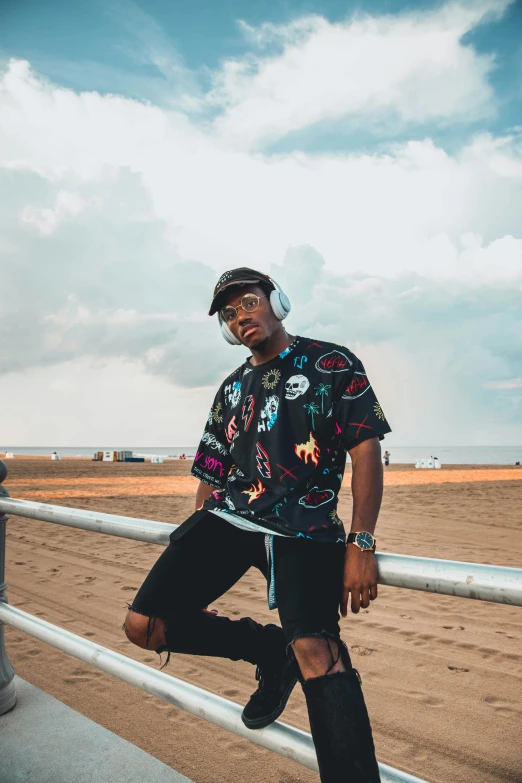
{"x": 368, "y": 155}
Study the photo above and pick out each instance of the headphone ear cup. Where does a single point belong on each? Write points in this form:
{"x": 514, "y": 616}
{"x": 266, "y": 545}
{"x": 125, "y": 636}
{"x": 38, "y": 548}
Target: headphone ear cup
{"x": 227, "y": 334}
{"x": 280, "y": 304}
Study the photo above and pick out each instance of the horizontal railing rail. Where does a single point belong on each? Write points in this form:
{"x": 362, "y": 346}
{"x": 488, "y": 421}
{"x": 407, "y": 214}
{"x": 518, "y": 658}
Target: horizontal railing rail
{"x": 449, "y": 577}
{"x": 498, "y": 584}
{"x": 285, "y": 740}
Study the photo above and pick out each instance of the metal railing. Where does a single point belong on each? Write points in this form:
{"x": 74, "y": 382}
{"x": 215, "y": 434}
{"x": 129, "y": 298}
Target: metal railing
{"x": 467, "y": 580}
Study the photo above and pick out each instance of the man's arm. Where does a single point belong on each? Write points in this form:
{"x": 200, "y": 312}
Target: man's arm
{"x": 203, "y": 493}
{"x": 360, "y": 568}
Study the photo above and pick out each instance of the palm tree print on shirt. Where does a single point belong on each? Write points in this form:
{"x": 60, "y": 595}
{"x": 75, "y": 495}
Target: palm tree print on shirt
{"x": 322, "y": 390}
{"x": 312, "y": 409}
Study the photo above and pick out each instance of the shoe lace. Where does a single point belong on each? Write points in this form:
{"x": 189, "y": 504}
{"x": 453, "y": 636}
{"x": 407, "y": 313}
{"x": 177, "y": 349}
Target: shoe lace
{"x": 269, "y": 680}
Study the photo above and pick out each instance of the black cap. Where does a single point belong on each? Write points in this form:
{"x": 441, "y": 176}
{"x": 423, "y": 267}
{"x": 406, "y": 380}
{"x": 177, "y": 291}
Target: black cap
{"x": 240, "y": 276}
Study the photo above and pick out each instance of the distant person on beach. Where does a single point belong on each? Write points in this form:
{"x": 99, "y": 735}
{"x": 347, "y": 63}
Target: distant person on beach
{"x": 387, "y": 457}
{"x": 270, "y": 463}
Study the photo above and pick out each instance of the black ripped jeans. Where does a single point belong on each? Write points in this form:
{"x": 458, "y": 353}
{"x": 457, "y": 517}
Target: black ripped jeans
{"x": 207, "y": 556}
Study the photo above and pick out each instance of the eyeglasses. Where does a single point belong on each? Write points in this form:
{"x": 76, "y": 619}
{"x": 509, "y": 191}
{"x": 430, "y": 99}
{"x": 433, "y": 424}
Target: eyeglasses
{"x": 249, "y": 303}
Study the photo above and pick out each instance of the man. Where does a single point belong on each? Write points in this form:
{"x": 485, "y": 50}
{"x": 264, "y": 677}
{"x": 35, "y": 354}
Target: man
{"x": 270, "y": 463}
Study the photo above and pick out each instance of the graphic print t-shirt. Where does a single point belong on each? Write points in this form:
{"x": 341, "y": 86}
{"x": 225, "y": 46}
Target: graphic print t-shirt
{"x": 275, "y": 443}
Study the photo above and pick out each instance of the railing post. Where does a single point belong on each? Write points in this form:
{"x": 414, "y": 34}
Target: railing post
{"x": 7, "y": 686}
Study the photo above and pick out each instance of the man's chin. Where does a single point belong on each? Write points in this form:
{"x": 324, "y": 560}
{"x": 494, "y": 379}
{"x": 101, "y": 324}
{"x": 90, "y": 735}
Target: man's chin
{"x": 257, "y": 343}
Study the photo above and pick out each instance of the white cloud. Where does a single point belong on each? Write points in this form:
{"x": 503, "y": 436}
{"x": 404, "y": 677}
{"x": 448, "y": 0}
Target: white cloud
{"x": 48, "y": 219}
{"x": 412, "y": 67}
{"x": 510, "y": 383}
{"x": 118, "y": 215}
{"x": 380, "y": 212}
{"x": 112, "y": 403}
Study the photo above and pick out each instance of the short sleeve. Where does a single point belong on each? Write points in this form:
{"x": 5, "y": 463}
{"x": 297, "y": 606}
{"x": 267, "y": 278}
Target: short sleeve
{"x": 359, "y": 415}
{"x": 213, "y": 461}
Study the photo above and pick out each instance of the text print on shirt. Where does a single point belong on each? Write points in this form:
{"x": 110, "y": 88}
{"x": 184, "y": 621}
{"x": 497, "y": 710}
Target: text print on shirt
{"x": 333, "y": 361}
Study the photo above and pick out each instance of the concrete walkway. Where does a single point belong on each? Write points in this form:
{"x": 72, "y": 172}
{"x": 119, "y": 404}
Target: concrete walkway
{"x": 44, "y": 741}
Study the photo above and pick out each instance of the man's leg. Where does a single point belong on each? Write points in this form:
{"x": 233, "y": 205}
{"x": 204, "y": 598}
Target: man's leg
{"x": 204, "y": 560}
{"x": 308, "y": 607}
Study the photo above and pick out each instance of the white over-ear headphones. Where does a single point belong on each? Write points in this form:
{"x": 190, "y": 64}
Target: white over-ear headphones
{"x": 279, "y": 302}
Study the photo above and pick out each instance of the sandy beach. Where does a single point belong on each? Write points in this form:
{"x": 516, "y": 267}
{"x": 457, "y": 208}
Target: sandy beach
{"x": 442, "y": 676}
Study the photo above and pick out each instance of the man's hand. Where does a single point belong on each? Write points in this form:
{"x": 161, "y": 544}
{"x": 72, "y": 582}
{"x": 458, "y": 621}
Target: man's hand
{"x": 203, "y": 493}
{"x": 359, "y": 579}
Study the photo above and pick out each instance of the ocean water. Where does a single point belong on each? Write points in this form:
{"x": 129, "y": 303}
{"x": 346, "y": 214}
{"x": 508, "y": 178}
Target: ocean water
{"x": 449, "y": 455}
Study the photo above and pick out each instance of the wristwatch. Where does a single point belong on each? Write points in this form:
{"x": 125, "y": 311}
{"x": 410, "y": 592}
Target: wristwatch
{"x": 364, "y": 540}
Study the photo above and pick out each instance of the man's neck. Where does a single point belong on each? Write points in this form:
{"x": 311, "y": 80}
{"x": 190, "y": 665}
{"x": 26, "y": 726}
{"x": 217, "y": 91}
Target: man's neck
{"x": 271, "y": 348}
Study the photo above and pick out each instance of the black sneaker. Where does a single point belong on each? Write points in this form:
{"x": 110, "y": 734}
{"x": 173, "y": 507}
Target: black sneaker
{"x": 269, "y": 701}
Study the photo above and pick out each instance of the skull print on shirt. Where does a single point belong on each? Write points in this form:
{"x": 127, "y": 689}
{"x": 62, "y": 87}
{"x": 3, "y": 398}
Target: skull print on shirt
{"x": 295, "y": 386}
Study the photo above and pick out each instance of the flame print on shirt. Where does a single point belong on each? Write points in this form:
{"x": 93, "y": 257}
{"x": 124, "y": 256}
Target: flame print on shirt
{"x": 263, "y": 463}
{"x": 309, "y": 451}
{"x": 254, "y": 492}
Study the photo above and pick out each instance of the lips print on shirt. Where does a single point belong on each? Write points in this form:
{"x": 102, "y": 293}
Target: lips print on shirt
{"x": 316, "y": 497}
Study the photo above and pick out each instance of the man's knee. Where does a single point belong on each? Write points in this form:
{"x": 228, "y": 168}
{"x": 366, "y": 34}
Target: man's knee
{"x": 143, "y": 631}
{"x": 317, "y": 656}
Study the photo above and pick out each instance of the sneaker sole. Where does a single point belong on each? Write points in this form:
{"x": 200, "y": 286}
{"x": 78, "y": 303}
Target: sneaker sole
{"x": 266, "y": 720}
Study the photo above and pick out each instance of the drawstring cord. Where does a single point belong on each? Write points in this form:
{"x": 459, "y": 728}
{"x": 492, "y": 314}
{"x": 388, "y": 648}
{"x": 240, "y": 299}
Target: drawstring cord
{"x": 271, "y": 586}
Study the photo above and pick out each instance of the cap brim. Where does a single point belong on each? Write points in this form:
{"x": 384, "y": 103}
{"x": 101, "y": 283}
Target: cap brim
{"x": 216, "y": 302}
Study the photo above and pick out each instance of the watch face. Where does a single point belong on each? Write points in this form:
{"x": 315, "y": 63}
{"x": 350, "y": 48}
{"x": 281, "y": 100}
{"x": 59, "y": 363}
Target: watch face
{"x": 364, "y": 540}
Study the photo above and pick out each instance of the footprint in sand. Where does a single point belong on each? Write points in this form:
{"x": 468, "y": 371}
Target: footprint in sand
{"x": 32, "y": 653}
{"x": 454, "y": 627}
{"x": 76, "y": 680}
{"x": 88, "y": 633}
{"x": 128, "y": 587}
{"x": 507, "y": 635}
{"x": 90, "y": 579}
{"x": 19, "y": 562}
{"x": 500, "y": 707}
{"x": 430, "y": 701}
{"x": 457, "y": 669}
{"x": 362, "y": 650}
{"x": 85, "y": 595}
{"x": 86, "y": 672}
{"x": 231, "y": 692}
